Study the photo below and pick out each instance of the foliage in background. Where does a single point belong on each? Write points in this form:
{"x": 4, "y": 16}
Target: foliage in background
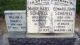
{"x": 20, "y": 5}
{"x": 78, "y": 6}
{"x": 11, "y": 5}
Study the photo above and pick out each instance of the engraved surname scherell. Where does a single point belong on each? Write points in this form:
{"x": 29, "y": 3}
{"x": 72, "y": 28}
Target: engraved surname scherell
{"x": 51, "y": 16}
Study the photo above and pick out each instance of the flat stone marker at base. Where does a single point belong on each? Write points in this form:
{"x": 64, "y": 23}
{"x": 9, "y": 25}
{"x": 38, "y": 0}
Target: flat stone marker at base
{"x": 42, "y": 41}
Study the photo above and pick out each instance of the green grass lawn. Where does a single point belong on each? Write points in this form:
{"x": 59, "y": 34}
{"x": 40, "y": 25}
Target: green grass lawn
{"x": 11, "y": 5}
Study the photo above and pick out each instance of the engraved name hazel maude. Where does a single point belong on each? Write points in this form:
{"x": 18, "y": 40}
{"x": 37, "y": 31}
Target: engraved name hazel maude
{"x": 51, "y": 16}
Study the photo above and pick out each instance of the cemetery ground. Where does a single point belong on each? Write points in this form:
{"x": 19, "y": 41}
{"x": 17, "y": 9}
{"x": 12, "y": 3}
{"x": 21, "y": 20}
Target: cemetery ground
{"x": 3, "y": 29}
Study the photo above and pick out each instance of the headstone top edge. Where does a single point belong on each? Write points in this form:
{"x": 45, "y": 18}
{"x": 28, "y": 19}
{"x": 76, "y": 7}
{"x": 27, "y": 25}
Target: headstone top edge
{"x": 15, "y": 11}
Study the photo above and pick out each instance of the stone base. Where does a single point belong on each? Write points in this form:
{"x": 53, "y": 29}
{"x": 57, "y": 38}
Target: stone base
{"x": 50, "y": 35}
{"x": 16, "y": 34}
{"x": 42, "y": 41}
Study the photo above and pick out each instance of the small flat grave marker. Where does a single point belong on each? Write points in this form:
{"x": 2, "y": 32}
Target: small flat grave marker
{"x": 15, "y": 20}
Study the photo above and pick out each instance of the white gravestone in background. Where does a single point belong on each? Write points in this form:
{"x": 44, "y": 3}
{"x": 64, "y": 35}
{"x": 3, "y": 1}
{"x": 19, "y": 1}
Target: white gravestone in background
{"x": 15, "y": 20}
{"x": 51, "y": 16}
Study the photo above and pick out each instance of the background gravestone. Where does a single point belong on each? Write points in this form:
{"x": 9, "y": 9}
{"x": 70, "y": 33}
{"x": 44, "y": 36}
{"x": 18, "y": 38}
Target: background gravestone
{"x": 16, "y": 23}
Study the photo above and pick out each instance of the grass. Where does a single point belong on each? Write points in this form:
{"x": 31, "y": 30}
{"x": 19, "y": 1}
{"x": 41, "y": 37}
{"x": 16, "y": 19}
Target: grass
{"x": 11, "y": 5}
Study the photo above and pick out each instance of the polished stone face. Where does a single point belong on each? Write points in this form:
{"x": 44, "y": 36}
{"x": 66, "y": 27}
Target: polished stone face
{"x": 50, "y": 16}
{"x": 42, "y": 41}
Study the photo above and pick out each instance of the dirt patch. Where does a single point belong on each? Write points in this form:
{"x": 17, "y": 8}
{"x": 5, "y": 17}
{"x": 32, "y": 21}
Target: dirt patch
{"x": 2, "y": 26}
